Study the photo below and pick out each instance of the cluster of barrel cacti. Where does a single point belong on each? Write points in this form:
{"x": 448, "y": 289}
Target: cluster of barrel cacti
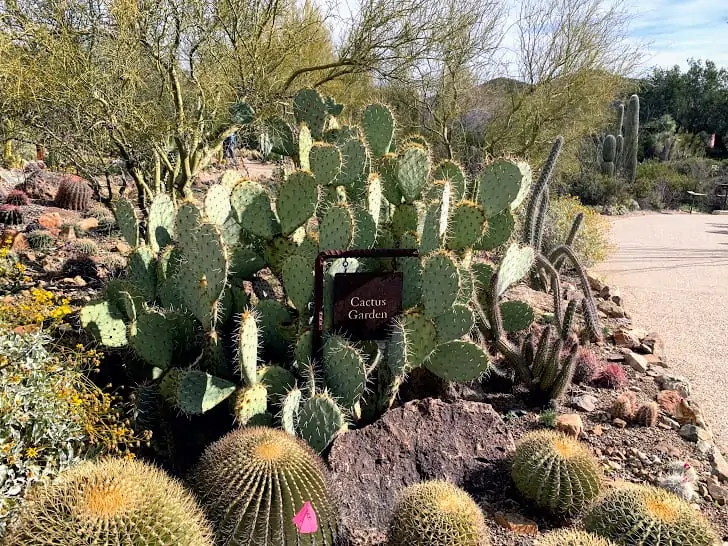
{"x": 625, "y": 407}
{"x": 619, "y": 151}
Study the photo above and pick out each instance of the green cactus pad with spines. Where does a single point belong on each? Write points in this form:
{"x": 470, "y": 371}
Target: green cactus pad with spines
{"x": 634, "y": 514}
{"x": 117, "y": 292}
{"x": 325, "y": 162}
{"x": 105, "y": 322}
{"x": 375, "y": 200}
{"x": 399, "y": 351}
{"x": 244, "y": 262}
{"x": 217, "y": 203}
{"x": 168, "y": 265}
{"x": 273, "y": 318}
{"x": 336, "y": 230}
{"x": 404, "y": 219}
{"x": 254, "y": 481}
{"x": 160, "y": 225}
{"x": 127, "y": 220}
{"x": 253, "y": 211}
{"x": 143, "y": 272}
{"x": 297, "y": 200}
{"x": 345, "y": 370}
{"x": 277, "y": 251}
{"x": 458, "y": 361}
{"x": 526, "y": 183}
{"x": 556, "y": 472}
{"x": 320, "y": 419}
{"x": 499, "y": 229}
{"x": 436, "y": 513}
{"x": 203, "y": 274}
{"x": 517, "y": 315}
{"x": 229, "y": 179}
{"x": 365, "y": 235}
{"x": 195, "y": 392}
{"x": 421, "y": 336}
{"x": 115, "y": 502}
{"x": 454, "y": 323}
{"x": 482, "y": 274}
{"x": 413, "y": 172}
{"x": 277, "y": 380}
{"x": 290, "y": 405}
{"x": 378, "y": 124}
{"x": 516, "y": 263}
{"x": 297, "y": 273}
{"x": 440, "y": 283}
{"x": 129, "y": 306}
{"x": 571, "y": 537}
{"x": 498, "y": 185}
{"x": 429, "y": 231}
{"x": 466, "y": 224}
{"x": 247, "y": 348}
{"x": 390, "y": 185}
{"x": 410, "y": 267}
{"x": 186, "y": 223}
{"x": 435, "y": 191}
{"x": 302, "y": 351}
{"x": 305, "y": 141}
{"x": 353, "y": 163}
{"x": 453, "y": 173}
{"x": 249, "y": 403}
{"x": 309, "y": 107}
{"x": 155, "y": 338}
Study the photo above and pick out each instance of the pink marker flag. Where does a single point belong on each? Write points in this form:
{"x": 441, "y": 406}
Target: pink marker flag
{"x": 305, "y": 520}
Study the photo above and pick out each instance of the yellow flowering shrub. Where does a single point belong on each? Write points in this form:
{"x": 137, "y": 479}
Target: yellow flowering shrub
{"x": 35, "y": 306}
{"x": 592, "y": 242}
{"x": 52, "y": 415}
{"x": 12, "y": 273}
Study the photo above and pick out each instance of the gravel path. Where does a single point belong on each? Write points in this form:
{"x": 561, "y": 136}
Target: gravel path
{"x": 672, "y": 270}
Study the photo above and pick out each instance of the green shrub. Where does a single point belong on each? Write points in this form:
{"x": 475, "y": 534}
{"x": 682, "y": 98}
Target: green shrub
{"x": 661, "y": 185}
{"x": 598, "y": 189}
{"x": 592, "y": 242}
{"x": 51, "y": 415}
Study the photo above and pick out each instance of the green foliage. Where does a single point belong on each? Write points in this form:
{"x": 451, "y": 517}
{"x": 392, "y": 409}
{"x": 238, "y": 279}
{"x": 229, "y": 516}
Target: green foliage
{"x": 548, "y": 418}
{"x": 114, "y": 502}
{"x": 648, "y": 515}
{"x": 436, "y": 513}
{"x": 556, "y": 472}
{"x": 591, "y": 245}
{"x": 281, "y": 474}
{"x": 661, "y": 185}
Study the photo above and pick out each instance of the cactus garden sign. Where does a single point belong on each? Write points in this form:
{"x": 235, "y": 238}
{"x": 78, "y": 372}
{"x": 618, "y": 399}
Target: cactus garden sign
{"x": 366, "y": 303}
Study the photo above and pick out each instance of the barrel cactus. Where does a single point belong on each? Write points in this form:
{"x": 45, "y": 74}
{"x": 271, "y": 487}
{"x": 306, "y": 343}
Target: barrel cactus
{"x": 648, "y": 515}
{"x": 10, "y": 215}
{"x": 115, "y": 502}
{"x": 40, "y": 240}
{"x": 252, "y": 483}
{"x": 556, "y": 472}
{"x": 436, "y": 513}
{"x": 571, "y": 537}
{"x": 647, "y": 414}
{"x": 73, "y": 194}
{"x": 18, "y": 198}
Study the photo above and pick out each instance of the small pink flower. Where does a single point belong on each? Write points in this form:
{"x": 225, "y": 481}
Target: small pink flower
{"x": 305, "y": 520}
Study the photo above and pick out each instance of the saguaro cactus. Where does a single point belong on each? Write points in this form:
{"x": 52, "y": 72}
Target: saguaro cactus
{"x": 631, "y": 138}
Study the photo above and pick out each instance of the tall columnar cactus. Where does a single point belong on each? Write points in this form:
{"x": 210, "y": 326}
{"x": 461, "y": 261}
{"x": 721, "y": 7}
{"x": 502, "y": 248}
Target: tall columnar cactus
{"x": 609, "y": 155}
{"x": 436, "y": 513}
{"x": 631, "y": 138}
{"x": 112, "y": 502}
{"x": 253, "y": 482}
{"x": 648, "y": 515}
{"x": 556, "y": 472}
{"x": 74, "y": 193}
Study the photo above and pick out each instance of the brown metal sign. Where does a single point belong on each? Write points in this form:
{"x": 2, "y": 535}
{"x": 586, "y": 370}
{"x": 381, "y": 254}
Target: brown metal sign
{"x": 366, "y": 303}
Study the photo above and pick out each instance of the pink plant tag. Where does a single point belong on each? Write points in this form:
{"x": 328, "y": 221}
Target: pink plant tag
{"x": 305, "y": 520}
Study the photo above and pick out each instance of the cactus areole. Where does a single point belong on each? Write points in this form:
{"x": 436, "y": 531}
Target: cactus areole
{"x": 364, "y": 303}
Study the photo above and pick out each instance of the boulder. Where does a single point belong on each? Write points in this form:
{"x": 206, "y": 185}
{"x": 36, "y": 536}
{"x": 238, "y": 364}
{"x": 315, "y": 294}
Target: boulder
{"x": 636, "y": 361}
{"x": 87, "y": 224}
{"x": 693, "y": 433}
{"x": 595, "y": 281}
{"x": 720, "y": 466}
{"x": 466, "y": 443}
{"x": 570, "y": 424}
{"x": 626, "y": 338}
{"x": 585, "y": 402}
{"x": 517, "y": 524}
{"x": 50, "y": 221}
{"x": 41, "y": 184}
{"x": 669, "y": 401}
{"x": 611, "y": 309}
{"x": 655, "y": 343}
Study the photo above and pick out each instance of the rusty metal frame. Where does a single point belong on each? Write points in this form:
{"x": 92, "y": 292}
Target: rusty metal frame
{"x": 318, "y": 292}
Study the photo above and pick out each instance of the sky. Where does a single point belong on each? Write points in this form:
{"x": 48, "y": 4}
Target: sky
{"x": 677, "y": 30}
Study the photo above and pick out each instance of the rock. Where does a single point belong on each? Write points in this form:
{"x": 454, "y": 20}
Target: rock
{"x": 669, "y": 423}
{"x": 598, "y": 430}
{"x": 611, "y": 309}
{"x": 616, "y": 296}
{"x": 614, "y": 465}
{"x": 654, "y": 341}
{"x": 625, "y": 338}
{"x": 686, "y": 414}
{"x": 20, "y": 243}
{"x": 466, "y": 443}
{"x": 517, "y": 524}
{"x": 585, "y": 402}
{"x": 669, "y": 401}
{"x": 123, "y": 248}
{"x": 41, "y": 184}
{"x": 718, "y": 493}
{"x": 570, "y": 424}
{"x": 619, "y": 423}
{"x": 693, "y": 433}
{"x": 636, "y": 361}
{"x": 87, "y": 224}
{"x": 668, "y": 382}
{"x": 68, "y": 233}
{"x": 51, "y": 221}
{"x": 615, "y": 357}
{"x": 654, "y": 360}
{"x": 78, "y": 281}
{"x": 720, "y": 466}
{"x": 595, "y": 281}
{"x": 704, "y": 448}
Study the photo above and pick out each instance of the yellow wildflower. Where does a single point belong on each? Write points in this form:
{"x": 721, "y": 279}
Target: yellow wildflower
{"x": 31, "y": 453}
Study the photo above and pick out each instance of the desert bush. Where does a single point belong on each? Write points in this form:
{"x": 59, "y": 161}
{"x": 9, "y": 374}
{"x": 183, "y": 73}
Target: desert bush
{"x": 51, "y": 415}
{"x": 660, "y": 185}
{"x": 35, "y": 306}
{"x": 592, "y": 242}
{"x": 596, "y": 189}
